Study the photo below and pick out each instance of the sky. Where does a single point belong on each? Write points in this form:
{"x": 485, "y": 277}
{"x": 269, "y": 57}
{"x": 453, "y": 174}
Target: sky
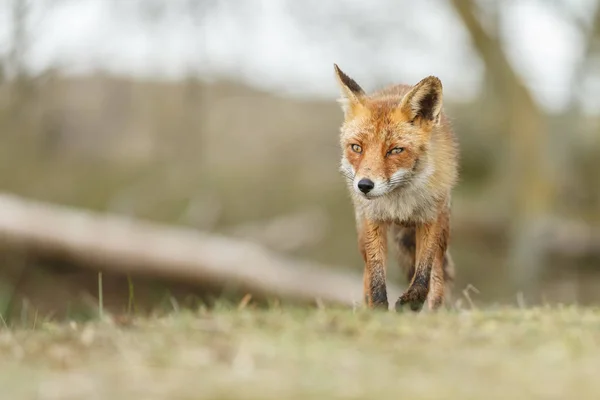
{"x": 291, "y": 48}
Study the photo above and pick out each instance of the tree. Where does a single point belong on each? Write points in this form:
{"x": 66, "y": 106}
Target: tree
{"x": 528, "y": 184}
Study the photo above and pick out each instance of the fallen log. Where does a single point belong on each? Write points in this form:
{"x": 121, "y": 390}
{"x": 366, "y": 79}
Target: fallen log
{"x": 286, "y": 232}
{"x": 120, "y": 244}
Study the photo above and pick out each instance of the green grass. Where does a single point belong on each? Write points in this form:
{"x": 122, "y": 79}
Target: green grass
{"x": 294, "y": 353}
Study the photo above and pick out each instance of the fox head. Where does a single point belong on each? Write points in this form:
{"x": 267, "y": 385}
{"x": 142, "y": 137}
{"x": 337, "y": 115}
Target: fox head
{"x": 385, "y": 137}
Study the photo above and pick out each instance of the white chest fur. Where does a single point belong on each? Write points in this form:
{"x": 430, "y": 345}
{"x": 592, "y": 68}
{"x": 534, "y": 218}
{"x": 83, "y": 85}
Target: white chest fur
{"x": 406, "y": 204}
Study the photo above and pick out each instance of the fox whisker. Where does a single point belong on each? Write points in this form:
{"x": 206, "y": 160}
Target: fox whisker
{"x": 395, "y": 182}
{"x": 347, "y": 174}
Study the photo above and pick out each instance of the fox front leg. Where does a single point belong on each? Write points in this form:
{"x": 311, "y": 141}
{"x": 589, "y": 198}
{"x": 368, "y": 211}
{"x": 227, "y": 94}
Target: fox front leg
{"x": 373, "y": 246}
{"x": 431, "y": 244}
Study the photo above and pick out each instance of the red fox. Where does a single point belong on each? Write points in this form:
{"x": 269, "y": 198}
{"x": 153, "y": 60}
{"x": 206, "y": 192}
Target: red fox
{"x": 400, "y": 160}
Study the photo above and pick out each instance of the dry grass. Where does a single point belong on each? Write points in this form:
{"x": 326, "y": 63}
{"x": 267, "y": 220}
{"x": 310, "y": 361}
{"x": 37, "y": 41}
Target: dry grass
{"x": 293, "y": 353}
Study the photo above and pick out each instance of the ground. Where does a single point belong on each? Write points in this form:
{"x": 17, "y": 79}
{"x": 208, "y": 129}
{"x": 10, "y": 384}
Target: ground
{"x": 308, "y": 353}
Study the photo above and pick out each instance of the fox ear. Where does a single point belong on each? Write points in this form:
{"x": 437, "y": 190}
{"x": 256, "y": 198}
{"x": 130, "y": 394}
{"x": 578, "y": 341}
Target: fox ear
{"x": 424, "y": 102}
{"x": 352, "y": 93}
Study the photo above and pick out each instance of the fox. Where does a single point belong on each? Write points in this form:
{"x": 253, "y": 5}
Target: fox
{"x": 400, "y": 161}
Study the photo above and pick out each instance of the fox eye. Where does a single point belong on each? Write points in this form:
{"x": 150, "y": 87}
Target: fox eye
{"x": 356, "y": 148}
{"x": 396, "y": 150}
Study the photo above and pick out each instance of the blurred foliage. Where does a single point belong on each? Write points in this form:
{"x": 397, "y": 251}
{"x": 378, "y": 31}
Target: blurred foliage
{"x": 216, "y": 156}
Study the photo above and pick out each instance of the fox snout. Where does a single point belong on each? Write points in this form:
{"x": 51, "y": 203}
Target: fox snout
{"x": 365, "y": 185}
{"x": 370, "y": 187}
{"x": 369, "y": 184}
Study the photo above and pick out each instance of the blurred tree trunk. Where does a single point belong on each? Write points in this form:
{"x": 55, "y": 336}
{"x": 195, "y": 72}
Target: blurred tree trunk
{"x": 583, "y": 151}
{"x": 16, "y": 117}
{"x": 586, "y": 66}
{"x": 529, "y": 186}
{"x": 18, "y": 39}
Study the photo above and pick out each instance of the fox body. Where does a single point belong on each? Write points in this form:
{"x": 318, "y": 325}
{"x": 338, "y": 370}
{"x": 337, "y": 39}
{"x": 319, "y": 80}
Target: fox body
{"x": 400, "y": 161}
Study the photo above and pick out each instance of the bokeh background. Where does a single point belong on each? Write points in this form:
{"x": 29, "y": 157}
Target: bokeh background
{"x": 221, "y": 116}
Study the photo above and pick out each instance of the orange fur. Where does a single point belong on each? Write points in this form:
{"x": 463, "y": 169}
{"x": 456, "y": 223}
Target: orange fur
{"x": 400, "y": 160}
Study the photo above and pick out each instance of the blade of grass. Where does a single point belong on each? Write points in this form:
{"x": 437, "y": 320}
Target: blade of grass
{"x": 100, "y": 297}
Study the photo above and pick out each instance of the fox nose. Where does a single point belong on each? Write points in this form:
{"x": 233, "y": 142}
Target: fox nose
{"x": 365, "y": 185}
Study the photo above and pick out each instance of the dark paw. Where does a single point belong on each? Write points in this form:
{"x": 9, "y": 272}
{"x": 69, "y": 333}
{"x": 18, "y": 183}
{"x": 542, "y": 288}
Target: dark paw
{"x": 378, "y": 303}
{"x": 412, "y": 299}
{"x": 414, "y": 305}
{"x": 378, "y": 297}
{"x": 383, "y": 306}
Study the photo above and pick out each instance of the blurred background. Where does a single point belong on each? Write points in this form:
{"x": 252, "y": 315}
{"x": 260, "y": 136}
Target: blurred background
{"x": 221, "y": 116}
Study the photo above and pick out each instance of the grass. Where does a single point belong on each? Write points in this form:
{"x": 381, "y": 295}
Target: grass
{"x": 295, "y": 353}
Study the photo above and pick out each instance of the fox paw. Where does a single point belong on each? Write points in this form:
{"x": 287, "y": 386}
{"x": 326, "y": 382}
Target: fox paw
{"x": 383, "y": 306}
{"x": 377, "y": 298}
{"x": 413, "y": 298}
{"x": 414, "y": 305}
{"x": 377, "y": 303}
